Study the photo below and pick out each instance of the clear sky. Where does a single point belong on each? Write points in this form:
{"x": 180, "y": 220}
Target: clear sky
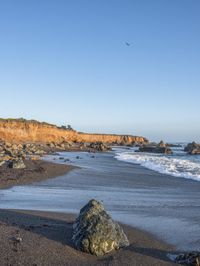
{"x": 66, "y": 62}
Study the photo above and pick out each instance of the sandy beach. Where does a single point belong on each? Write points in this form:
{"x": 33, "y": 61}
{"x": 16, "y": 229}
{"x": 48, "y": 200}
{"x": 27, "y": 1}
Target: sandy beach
{"x": 35, "y": 171}
{"x": 45, "y": 239}
{"x": 37, "y": 214}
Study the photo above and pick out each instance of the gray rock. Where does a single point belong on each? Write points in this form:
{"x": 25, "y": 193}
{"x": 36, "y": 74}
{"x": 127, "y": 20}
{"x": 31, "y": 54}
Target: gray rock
{"x": 95, "y": 232}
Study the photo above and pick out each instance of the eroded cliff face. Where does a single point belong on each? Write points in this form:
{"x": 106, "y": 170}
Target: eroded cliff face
{"x": 16, "y": 131}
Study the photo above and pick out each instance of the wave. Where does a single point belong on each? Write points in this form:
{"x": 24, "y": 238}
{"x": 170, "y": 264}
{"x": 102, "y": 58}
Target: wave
{"x": 171, "y": 165}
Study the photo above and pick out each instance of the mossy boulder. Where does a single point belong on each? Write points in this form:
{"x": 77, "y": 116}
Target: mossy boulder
{"x": 95, "y": 232}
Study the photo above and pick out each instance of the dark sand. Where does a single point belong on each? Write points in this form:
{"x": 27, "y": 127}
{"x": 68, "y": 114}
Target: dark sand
{"x": 46, "y": 240}
{"x": 34, "y": 171}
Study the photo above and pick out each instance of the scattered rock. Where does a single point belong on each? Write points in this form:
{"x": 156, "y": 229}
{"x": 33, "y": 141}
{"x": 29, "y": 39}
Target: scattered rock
{"x": 99, "y": 146}
{"x": 190, "y": 259}
{"x": 95, "y": 232}
{"x": 17, "y": 164}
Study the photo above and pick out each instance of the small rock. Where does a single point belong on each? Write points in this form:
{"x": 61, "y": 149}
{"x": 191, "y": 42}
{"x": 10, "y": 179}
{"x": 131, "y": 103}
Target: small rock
{"x": 16, "y": 239}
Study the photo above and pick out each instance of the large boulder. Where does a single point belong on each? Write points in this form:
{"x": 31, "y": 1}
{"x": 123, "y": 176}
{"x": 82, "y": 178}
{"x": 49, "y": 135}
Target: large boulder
{"x": 95, "y": 232}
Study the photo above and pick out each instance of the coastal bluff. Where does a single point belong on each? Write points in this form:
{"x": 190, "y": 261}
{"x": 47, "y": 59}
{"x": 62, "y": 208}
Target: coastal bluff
{"x": 23, "y": 131}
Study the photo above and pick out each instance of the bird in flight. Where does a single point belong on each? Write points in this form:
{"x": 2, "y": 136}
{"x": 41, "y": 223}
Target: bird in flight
{"x": 127, "y": 43}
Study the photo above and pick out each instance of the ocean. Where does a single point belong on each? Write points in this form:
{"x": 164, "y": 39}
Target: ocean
{"x": 179, "y": 164}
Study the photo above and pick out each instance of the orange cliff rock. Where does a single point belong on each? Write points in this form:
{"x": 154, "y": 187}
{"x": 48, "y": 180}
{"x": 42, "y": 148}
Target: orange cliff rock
{"x": 22, "y": 131}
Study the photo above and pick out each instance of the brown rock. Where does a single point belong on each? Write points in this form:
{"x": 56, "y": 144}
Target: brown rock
{"x": 21, "y": 130}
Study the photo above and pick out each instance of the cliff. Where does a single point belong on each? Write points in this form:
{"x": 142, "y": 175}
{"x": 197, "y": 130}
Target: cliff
{"x": 22, "y": 131}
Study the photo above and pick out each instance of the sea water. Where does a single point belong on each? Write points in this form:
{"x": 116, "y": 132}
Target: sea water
{"x": 179, "y": 164}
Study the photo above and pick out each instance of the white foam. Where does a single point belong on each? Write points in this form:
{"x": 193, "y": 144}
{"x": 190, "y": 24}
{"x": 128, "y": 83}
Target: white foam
{"x": 175, "y": 166}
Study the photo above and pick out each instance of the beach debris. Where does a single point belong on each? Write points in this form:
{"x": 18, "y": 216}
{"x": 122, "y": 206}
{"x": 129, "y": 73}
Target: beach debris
{"x": 95, "y": 232}
{"x": 188, "y": 258}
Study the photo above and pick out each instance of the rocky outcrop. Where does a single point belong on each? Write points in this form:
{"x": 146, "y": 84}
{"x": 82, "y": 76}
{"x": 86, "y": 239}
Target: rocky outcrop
{"x": 23, "y": 131}
{"x": 152, "y": 149}
{"x": 172, "y": 145}
{"x": 95, "y": 232}
{"x": 14, "y": 154}
{"x": 156, "y": 148}
{"x": 99, "y": 146}
{"x": 189, "y": 258}
{"x": 161, "y": 144}
{"x": 193, "y": 148}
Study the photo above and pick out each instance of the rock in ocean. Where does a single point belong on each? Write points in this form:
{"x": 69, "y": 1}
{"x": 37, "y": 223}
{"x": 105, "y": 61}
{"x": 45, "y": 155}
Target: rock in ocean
{"x": 95, "y": 232}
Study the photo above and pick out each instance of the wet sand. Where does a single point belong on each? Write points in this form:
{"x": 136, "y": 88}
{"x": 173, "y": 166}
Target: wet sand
{"x": 35, "y": 171}
{"x": 44, "y": 238}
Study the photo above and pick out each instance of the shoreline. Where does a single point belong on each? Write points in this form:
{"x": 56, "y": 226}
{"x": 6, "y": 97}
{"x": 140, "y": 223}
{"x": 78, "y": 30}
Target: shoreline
{"x": 46, "y": 240}
{"x": 145, "y": 248}
{"x": 35, "y": 171}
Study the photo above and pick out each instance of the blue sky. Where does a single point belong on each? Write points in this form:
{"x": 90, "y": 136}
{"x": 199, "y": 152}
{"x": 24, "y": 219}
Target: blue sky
{"x": 66, "y": 62}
